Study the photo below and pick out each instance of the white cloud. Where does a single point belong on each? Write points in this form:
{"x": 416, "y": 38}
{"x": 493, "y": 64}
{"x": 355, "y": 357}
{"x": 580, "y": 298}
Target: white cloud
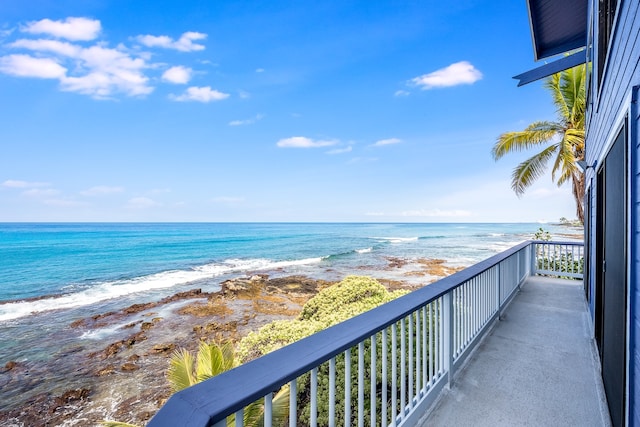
{"x": 13, "y": 183}
{"x": 101, "y": 190}
{"x": 436, "y": 213}
{"x": 80, "y": 29}
{"x": 200, "y": 94}
{"x": 455, "y": 74}
{"x": 244, "y": 95}
{"x": 141, "y": 203}
{"x": 177, "y": 75}
{"x": 303, "y": 142}
{"x": 388, "y": 141}
{"x": 46, "y": 45}
{"x": 401, "y": 93}
{"x": 184, "y": 44}
{"x": 28, "y": 66}
{"x": 340, "y": 150}
{"x": 247, "y": 121}
{"x": 259, "y": 70}
{"x": 98, "y": 71}
{"x": 109, "y": 71}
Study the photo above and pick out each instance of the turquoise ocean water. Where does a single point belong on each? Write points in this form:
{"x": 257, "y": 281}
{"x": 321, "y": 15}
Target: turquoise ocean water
{"x": 53, "y": 274}
{"x": 68, "y": 266}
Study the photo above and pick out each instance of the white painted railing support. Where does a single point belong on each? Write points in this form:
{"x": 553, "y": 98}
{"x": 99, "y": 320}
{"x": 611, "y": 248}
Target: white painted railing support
{"x": 498, "y": 289}
{"x": 447, "y": 317}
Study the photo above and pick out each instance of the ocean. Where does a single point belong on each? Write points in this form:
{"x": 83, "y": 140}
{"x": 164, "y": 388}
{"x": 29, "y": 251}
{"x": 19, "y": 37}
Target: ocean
{"x": 53, "y": 274}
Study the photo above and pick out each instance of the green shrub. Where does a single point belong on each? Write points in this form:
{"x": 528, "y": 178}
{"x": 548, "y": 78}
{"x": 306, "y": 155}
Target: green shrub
{"x": 560, "y": 263}
{"x": 352, "y": 296}
{"x": 273, "y": 336}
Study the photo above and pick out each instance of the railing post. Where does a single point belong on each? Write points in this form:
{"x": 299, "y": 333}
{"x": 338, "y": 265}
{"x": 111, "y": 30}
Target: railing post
{"x": 447, "y": 317}
{"x": 518, "y": 269}
{"x": 498, "y": 289}
{"x": 534, "y": 264}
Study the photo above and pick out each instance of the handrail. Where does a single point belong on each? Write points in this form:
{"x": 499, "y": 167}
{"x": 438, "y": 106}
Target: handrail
{"x": 561, "y": 259}
{"x": 464, "y": 305}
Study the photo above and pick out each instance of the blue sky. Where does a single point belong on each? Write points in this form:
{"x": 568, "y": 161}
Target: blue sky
{"x": 369, "y": 111}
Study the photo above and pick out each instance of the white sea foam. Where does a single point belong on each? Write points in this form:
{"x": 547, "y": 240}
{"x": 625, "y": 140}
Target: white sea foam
{"x": 364, "y": 251}
{"x": 397, "y": 239}
{"x": 100, "y": 333}
{"x": 167, "y": 279}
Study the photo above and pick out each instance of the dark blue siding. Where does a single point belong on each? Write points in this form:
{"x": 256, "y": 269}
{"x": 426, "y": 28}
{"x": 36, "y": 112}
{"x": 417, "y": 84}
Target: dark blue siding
{"x": 611, "y": 102}
{"x": 634, "y": 288}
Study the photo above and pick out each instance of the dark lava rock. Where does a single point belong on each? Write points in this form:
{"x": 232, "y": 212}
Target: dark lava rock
{"x": 146, "y": 326}
{"x": 106, "y": 371}
{"x": 162, "y": 348}
{"x": 129, "y": 367}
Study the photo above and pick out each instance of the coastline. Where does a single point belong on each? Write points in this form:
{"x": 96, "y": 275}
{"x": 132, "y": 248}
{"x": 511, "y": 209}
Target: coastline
{"x": 122, "y": 375}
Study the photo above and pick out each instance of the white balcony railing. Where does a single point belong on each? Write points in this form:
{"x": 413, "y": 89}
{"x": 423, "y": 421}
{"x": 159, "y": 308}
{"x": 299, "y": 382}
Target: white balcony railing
{"x": 383, "y": 367}
{"x": 561, "y": 259}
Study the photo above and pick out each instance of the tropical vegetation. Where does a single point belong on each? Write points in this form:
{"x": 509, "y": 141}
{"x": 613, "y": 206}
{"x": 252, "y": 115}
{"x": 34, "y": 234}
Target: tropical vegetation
{"x": 352, "y": 296}
{"x": 563, "y": 139}
{"x": 212, "y": 359}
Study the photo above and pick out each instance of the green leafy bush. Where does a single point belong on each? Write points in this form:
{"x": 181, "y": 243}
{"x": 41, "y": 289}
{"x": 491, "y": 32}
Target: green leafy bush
{"x": 560, "y": 263}
{"x": 352, "y": 296}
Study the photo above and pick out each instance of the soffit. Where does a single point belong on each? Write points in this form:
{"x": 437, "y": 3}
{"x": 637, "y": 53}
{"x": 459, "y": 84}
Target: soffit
{"x": 557, "y": 26}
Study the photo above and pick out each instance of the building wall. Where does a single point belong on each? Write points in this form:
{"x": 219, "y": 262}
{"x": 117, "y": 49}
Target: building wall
{"x": 608, "y": 104}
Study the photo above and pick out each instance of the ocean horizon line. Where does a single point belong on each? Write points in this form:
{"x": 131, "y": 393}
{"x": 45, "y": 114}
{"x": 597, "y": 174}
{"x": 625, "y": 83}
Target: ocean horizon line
{"x": 278, "y": 222}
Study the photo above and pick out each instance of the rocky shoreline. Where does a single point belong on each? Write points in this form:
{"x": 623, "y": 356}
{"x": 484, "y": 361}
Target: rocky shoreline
{"x": 125, "y": 379}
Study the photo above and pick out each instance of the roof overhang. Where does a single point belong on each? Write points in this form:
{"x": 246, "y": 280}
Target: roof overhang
{"x": 557, "y": 26}
{"x": 546, "y": 70}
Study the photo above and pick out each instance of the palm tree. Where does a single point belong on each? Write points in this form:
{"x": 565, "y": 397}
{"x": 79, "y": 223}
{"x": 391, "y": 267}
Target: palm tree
{"x": 565, "y": 136}
{"x": 211, "y": 360}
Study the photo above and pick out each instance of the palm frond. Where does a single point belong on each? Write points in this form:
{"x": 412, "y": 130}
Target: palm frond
{"x": 565, "y": 161}
{"x": 280, "y": 407}
{"x": 531, "y": 169}
{"x": 214, "y": 359}
{"x": 568, "y": 91}
{"x": 228, "y": 356}
{"x": 535, "y": 134}
{"x": 552, "y": 83}
{"x": 208, "y": 361}
{"x": 574, "y": 91}
{"x": 180, "y": 373}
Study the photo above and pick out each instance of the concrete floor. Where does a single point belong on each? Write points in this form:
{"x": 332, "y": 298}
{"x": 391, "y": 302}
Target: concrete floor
{"x": 537, "y": 367}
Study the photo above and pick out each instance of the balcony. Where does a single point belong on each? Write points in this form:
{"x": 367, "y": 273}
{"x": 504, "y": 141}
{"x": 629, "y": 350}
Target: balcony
{"x": 504, "y": 342}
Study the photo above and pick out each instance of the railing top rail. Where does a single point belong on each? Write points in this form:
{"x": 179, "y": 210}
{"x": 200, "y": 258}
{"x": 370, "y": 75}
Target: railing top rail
{"x": 211, "y": 401}
{"x": 559, "y": 242}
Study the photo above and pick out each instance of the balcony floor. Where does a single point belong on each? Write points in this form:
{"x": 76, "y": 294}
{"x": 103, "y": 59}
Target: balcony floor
{"x": 537, "y": 366}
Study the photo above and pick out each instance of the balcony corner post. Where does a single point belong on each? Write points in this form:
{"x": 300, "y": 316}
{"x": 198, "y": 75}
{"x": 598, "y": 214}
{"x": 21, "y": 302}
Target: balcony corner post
{"x": 533, "y": 258}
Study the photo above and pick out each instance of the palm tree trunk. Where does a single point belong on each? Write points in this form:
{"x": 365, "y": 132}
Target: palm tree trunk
{"x": 578, "y": 194}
